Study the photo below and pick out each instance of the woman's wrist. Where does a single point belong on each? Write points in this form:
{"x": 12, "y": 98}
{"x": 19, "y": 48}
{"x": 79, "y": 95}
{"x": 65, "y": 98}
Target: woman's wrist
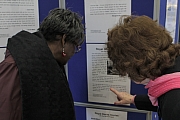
{"x": 133, "y": 99}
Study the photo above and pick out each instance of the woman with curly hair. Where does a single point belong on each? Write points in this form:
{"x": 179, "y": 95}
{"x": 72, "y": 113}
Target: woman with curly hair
{"x": 141, "y": 48}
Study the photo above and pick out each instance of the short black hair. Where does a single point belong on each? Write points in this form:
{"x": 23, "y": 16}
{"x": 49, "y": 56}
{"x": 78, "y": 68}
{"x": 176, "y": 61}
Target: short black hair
{"x": 63, "y": 21}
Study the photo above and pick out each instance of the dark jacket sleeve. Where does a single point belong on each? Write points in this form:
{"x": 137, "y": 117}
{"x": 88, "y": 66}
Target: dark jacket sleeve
{"x": 142, "y": 102}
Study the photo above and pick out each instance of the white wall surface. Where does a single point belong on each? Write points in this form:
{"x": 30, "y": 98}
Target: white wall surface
{"x": 2, "y": 51}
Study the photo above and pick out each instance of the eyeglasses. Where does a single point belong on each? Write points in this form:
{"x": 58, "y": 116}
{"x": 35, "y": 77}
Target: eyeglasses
{"x": 77, "y": 49}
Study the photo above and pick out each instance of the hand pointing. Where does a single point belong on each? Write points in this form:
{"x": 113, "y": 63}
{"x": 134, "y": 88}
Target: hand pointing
{"x": 123, "y": 97}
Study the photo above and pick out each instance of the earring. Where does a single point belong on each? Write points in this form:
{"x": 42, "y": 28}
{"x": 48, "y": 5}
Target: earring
{"x": 63, "y": 54}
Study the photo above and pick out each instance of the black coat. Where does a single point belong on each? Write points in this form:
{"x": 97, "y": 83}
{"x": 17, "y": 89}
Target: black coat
{"x": 44, "y": 88}
{"x": 169, "y": 103}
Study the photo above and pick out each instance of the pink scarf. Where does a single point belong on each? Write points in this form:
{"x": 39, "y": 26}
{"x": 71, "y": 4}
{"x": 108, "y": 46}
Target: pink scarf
{"x": 161, "y": 85}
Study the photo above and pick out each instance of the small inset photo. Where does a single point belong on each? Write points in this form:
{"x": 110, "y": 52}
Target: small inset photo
{"x": 110, "y": 69}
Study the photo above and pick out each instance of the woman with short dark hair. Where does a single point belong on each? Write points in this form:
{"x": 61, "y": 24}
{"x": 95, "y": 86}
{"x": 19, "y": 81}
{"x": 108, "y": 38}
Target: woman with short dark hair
{"x": 33, "y": 82}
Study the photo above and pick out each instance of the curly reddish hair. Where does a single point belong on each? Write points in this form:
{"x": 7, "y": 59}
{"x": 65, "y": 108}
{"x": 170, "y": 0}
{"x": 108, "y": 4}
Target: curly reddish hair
{"x": 141, "y": 48}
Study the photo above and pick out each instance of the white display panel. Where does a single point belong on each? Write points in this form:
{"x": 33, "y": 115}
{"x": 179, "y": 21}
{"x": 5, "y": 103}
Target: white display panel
{"x": 2, "y": 55}
{"x": 17, "y": 15}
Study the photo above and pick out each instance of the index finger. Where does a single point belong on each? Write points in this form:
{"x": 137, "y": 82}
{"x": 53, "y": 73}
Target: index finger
{"x": 114, "y": 90}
